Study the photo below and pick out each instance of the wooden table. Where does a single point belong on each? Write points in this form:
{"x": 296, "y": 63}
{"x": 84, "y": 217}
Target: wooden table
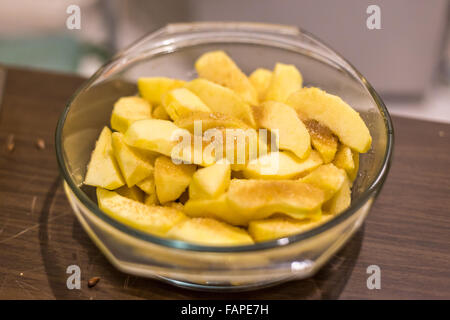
{"x": 407, "y": 233}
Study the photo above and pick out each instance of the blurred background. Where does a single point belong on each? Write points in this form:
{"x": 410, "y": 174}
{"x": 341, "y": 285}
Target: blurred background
{"x": 407, "y": 60}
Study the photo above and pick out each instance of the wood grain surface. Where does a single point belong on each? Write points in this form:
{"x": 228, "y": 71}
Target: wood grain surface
{"x": 407, "y": 233}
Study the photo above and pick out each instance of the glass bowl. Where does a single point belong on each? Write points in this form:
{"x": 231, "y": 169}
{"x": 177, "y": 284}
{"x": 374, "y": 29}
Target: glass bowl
{"x": 171, "y": 51}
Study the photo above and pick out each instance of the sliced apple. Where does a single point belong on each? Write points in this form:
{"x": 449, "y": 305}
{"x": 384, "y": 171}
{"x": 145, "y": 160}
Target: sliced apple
{"x": 218, "y": 67}
{"x": 218, "y": 208}
{"x": 175, "y": 204}
{"x": 147, "y": 185}
{"x": 344, "y": 160}
{"x": 260, "y": 79}
{"x": 258, "y": 199}
{"x": 322, "y": 139}
{"x": 327, "y": 177}
{"x": 160, "y": 113}
{"x": 171, "y": 179}
{"x": 103, "y": 170}
{"x": 209, "y": 231}
{"x": 210, "y": 182}
{"x": 332, "y": 112}
{"x": 180, "y": 102}
{"x": 128, "y": 110}
{"x": 134, "y": 165}
{"x": 340, "y": 201}
{"x": 280, "y": 227}
{"x": 283, "y": 120}
{"x": 285, "y": 80}
{"x": 153, "y": 89}
{"x": 209, "y": 120}
{"x": 133, "y": 193}
{"x": 354, "y": 173}
{"x": 152, "y": 219}
{"x": 221, "y": 99}
{"x": 154, "y": 135}
{"x": 281, "y": 165}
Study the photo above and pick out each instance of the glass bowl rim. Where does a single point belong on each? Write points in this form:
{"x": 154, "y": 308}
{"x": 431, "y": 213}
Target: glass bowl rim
{"x": 373, "y": 188}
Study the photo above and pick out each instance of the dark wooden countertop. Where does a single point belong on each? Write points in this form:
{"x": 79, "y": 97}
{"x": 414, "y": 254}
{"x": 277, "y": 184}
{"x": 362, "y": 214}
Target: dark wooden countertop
{"x": 407, "y": 233}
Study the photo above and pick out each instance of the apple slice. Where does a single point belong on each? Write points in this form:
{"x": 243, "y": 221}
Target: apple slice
{"x": 215, "y": 208}
{"x": 260, "y": 79}
{"x": 285, "y": 80}
{"x": 280, "y": 227}
{"x": 258, "y": 199}
{"x": 283, "y": 120}
{"x": 210, "y": 182}
{"x": 153, "y": 89}
{"x": 178, "y": 103}
{"x": 151, "y": 219}
{"x": 218, "y": 67}
{"x": 208, "y": 231}
{"x": 171, "y": 179}
{"x": 154, "y": 135}
{"x": 160, "y": 113}
{"x": 128, "y": 110}
{"x": 221, "y": 99}
{"x": 322, "y": 139}
{"x": 281, "y": 165}
{"x": 327, "y": 177}
{"x": 147, "y": 185}
{"x": 134, "y": 165}
{"x": 340, "y": 201}
{"x": 209, "y": 120}
{"x": 344, "y": 160}
{"x": 103, "y": 170}
{"x": 332, "y": 112}
{"x": 133, "y": 193}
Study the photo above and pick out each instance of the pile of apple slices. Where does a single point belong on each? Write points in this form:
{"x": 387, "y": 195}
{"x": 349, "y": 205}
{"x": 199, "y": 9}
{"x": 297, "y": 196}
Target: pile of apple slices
{"x": 202, "y": 199}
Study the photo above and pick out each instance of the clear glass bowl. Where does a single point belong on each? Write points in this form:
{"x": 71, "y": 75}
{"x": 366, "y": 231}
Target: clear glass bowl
{"x": 171, "y": 52}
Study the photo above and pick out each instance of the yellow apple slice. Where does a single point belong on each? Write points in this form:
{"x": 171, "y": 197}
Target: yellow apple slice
{"x": 103, "y": 170}
{"x": 209, "y": 231}
{"x": 285, "y": 80}
{"x": 258, "y": 199}
{"x": 354, "y": 173}
{"x": 210, "y": 182}
{"x": 218, "y": 67}
{"x": 134, "y": 165}
{"x": 221, "y": 99}
{"x": 344, "y": 160}
{"x": 180, "y": 102}
{"x": 260, "y": 79}
{"x": 283, "y": 120}
{"x": 327, "y": 177}
{"x": 160, "y": 113}
{"x": 153, "y": 89}
{"x": 152, "y": 219}
{"x": 215, "y": 208}
{"x": 280, "y": 227}
{"x": 281, "y": 165}
{"x": 151, "y": 199}
{"x": 171, "y": 179}
{"x": 147, "y": 185}
{"x": 340, "y": 201}
{"x": 133, "y": 193}
{"x": 154, "y": 135}
{"x": 322, "y": 139}
{"x": 209, "y": 120}
{"x": 332, "y": 112}
{"x": 128, "y": 110}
